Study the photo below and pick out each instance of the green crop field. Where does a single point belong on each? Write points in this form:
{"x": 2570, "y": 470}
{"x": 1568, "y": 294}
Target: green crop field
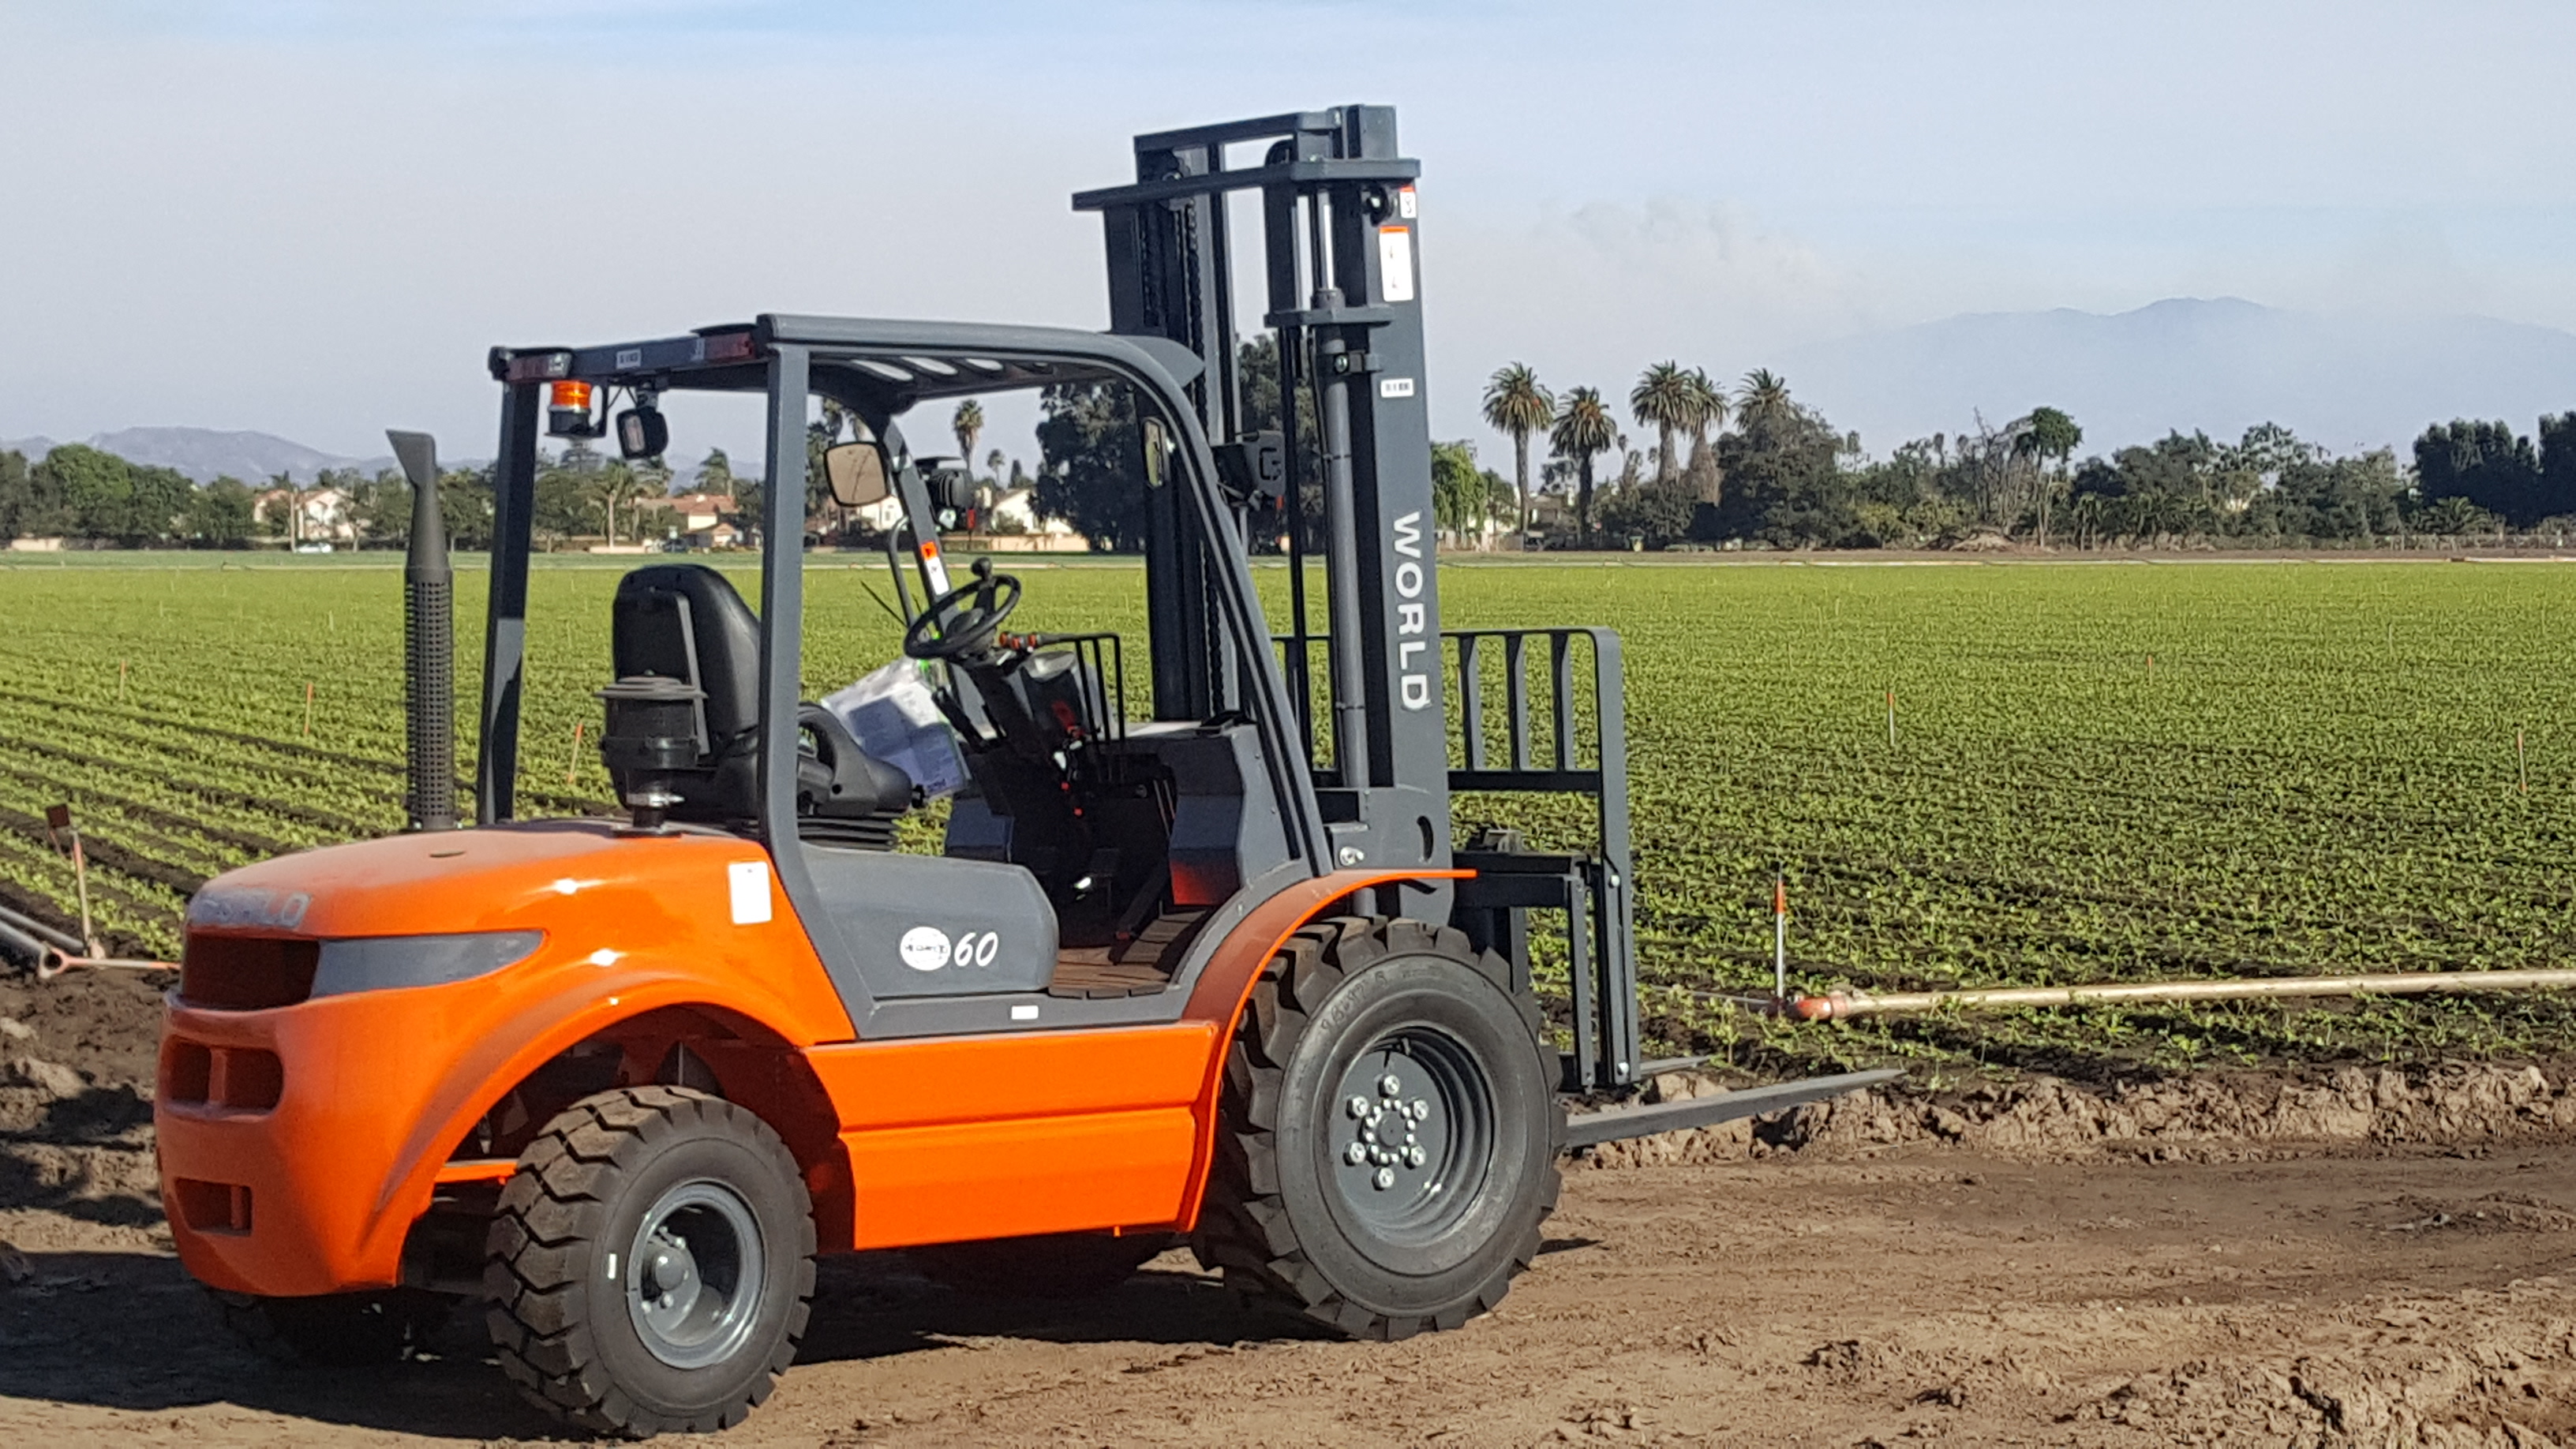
{"x": 2098, "y": 772}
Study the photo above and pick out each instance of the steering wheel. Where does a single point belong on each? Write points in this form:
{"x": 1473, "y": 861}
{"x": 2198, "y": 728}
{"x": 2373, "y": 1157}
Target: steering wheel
{"x": 964, "y": 620}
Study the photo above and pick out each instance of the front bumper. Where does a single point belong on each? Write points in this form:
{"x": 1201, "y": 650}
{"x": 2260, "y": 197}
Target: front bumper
{"x": 285, "y": 1167}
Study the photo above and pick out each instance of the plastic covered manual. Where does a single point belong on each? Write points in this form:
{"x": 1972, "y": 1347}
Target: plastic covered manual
{"x": 892, "y": 715}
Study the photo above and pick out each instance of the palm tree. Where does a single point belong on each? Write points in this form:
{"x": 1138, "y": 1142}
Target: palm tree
{"x": 2052, "y": 435}
{"x": 1666, "y": 399}
{"x": 1581, "y": 431}
{"x": 1763, "y": 399}
{"x": 616, "y": 483}
{"x": 1708, "y": 410}
{"x": 1515, "y": 403}
{"x": 968, "y": 425}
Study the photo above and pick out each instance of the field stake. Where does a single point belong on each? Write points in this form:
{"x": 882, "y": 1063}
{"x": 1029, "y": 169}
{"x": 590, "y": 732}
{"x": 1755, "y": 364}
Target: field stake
{"x": 574, "y": 763}
{"x": 1891, "y": 719}
{"x": 2521, "y": 764}
{"x": 1780, "y": 938}
{"x": 308, "y": 707}
{"x": 59, "y": 826}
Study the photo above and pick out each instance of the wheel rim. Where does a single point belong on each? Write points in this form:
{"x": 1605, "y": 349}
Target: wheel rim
{"x": 694, "y": 1274}
{"x": 1412, "y": 1139}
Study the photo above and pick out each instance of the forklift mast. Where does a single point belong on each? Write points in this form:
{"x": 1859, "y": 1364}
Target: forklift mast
{"x": 1340, "y": 222}
{"x": 1338, "y": 241}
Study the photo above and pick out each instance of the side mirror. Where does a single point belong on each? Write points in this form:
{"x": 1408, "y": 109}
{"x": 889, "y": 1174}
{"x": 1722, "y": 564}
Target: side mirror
{"x": 856, "y": 473}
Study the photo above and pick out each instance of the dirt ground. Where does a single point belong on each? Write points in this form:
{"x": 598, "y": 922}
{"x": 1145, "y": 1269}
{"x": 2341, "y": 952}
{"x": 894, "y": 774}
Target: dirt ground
{"x": 2362, "y": 1258}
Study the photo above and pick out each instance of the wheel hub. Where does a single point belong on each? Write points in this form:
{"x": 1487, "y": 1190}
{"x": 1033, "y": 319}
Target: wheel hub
{"x": 1388, "y": 1132}
{"x": 693, "y": 1275}
{"x": 1411, "y": 1133}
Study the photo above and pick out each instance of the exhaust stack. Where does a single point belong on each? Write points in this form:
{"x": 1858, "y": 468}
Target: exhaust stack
{"x": 429, "y": 646}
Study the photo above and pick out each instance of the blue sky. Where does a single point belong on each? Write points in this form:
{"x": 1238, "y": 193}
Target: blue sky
{"x": 311, "y": 218}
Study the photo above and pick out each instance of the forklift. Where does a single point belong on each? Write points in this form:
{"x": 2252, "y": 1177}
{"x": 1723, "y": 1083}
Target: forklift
{"x": 1224, "y": 973}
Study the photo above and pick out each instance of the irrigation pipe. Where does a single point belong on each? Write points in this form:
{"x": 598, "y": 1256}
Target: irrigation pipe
{"x": 30, "y": 926}
{"x": 19, "y": 943}
{"x": 1837, "y": 1004}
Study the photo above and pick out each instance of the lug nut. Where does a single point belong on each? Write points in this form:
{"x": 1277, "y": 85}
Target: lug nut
{"x": 1385, "y": 1178}
{"x": 1420, "y": 1111}
{"x": 1389, "y": 1085}
{"x": 1413, "y": 1157}
{"x": 1355, "y": 1154}
{"x": 1359, "y": 1106}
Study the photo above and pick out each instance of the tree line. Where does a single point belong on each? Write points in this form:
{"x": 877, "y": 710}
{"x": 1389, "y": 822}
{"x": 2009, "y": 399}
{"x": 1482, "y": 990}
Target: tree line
{"x": 1707, "y": 465}
{"x": 1761, "y": 468}
{"x": 77, "y": 491}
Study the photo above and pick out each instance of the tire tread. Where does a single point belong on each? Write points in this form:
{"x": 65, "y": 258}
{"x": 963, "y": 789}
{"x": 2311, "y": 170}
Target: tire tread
{"x": 550, "y": 1212}
{"x": 1244, "y": 1228}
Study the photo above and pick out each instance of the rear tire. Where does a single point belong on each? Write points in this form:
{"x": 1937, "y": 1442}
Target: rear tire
{"x": 651, "y": 1262}
{"x": 1054, "y": 1265}
{"x": 1389, "y": 1137}
{"x": 336, "y": 1330}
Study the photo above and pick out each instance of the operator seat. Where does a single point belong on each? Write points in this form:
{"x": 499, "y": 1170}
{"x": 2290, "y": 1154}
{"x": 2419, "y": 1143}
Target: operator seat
{"x": 684, "y": 622}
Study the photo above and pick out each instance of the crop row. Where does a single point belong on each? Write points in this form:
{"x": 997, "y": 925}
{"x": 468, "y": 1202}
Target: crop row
{"x": 2095, "y": 772}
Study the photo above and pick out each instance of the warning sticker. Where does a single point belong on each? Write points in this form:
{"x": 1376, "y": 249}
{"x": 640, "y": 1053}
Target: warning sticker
{"x": 747, "y": 881}
{"x": 1395, "y": 263}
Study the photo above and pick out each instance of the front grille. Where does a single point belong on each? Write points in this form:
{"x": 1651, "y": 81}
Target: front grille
{"x": 212, "y": 1207}
{"x": 239, "y": 1079}
{"x": 246, "y": 973}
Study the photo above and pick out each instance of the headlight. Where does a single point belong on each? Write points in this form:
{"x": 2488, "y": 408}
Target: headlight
{"x": 383, "y": 963}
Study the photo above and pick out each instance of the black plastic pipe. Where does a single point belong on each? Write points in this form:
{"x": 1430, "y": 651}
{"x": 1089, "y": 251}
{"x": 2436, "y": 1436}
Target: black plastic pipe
{"x": 27, "y": 925}
{"x": 429, "y": 646}
{"x": 21, "y": 945}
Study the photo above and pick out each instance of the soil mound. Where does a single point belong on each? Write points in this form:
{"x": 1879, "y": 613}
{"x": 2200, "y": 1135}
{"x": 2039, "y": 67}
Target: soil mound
{"x": 2197, "y": 1117}
{"x": 77, "y": 1057}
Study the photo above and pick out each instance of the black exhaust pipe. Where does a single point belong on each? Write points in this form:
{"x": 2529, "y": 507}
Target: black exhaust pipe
{"x": 429, "y": 645}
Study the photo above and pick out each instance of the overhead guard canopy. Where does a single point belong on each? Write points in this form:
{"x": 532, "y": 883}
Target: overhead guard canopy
{"x": 897, "y": 363}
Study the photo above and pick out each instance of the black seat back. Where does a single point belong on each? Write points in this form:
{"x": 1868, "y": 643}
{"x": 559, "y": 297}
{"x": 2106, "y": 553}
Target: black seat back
{"x": 685, "y": 622}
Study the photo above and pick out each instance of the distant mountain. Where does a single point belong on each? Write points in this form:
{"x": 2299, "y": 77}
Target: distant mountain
{"x": 2220, "y": 366}
{"x": 204, "y": 454}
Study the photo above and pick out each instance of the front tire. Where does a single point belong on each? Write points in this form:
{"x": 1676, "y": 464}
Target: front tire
{"x": 1388, "y": 1150}
{"x": 651, "y": 1263}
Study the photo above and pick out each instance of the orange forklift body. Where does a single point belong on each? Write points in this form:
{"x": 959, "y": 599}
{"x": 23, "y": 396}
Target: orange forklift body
{"x": 300, "y": 1142}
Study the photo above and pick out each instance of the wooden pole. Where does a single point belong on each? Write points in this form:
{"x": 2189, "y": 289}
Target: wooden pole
{"x": 2521, "y": 763}
{"x": 308, "y": 707}
{"x": 1891, "y": 719}
{"x": 574, "y": 764}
